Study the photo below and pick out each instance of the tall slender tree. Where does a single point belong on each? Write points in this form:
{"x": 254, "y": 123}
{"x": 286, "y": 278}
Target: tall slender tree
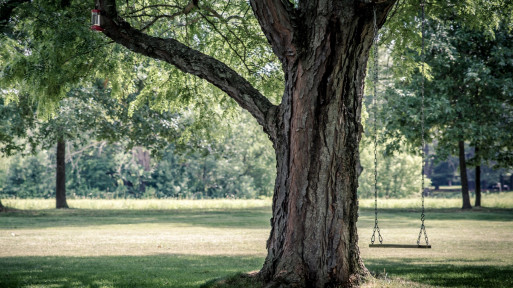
{"x": 60, "y": 184}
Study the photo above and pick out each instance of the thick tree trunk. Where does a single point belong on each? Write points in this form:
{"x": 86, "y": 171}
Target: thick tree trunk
{"x": 314, "y": 241}
{"x": 464, "y": 178}
{"x": 60, "y": 185}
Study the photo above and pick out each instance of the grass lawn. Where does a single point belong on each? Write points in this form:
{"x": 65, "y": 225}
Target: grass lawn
{"x": 186, "y": 244}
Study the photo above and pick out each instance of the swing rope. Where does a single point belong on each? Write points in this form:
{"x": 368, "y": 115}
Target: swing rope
{"x": 423, "y": 153}
{"x": 375, "y": 109}
{"x": 374, "y": 102}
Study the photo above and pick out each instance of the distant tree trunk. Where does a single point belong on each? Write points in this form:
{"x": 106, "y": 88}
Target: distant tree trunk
{"x": 478, "y": 180}
{"x": 464, "y": 178}
{"x": 60, "y": 185}
{"x": 1, "y": 206}
{"x": 143, "y": 158}
{"x": 478, "y": 186}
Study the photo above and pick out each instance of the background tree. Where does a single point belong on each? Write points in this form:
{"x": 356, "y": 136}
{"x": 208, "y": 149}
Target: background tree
{"x": 42, "y": 57}
{"x": 91, "y": 113}
{"x": 477, "y": 92}
{"x": 16, "y": 119}
{"x": 489, "y": 81}
{"x": 461, "y": 103}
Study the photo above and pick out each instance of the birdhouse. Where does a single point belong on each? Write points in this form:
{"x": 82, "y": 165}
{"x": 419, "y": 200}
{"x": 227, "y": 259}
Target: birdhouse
{"x": 96, "y": 20}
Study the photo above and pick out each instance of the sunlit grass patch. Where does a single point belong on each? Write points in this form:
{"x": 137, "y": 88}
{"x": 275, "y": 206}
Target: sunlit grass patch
{"x": 86, "y": 232}
{"x": 490, "y": 200}
{"x": 140, "y": 204}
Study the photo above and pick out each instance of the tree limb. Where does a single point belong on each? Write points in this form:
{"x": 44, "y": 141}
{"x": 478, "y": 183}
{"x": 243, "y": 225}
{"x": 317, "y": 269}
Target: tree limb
{"x": 276, "y": 19}
{"x": 189, "y": 61}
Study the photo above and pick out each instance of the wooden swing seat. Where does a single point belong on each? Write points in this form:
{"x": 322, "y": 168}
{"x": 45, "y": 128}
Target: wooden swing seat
{"x": 399, "y": 246}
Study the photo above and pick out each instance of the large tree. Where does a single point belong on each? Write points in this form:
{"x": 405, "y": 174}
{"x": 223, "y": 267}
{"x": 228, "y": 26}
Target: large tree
{"x": 323, "y": 49}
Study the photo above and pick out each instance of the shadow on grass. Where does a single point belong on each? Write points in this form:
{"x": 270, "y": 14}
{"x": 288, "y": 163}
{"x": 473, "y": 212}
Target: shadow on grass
{"x": 460, "y": 274}
{"x": 230, "y": 218}
{"x": 121, "y": 271}
{"x": 194, "y": 271}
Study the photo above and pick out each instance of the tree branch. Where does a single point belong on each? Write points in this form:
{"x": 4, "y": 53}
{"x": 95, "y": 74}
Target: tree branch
{"x": 242, "y": 56}
{"x": 189, "y": 61}
{"x": 276, "y": 19}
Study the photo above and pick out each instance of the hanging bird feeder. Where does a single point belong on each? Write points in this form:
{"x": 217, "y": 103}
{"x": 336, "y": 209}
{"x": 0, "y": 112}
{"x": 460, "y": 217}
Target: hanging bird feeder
{"x": 96, "y": 20}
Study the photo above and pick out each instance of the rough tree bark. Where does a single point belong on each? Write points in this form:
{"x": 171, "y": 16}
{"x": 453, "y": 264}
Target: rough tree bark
{"x": 323, "y": 47}
{"x": 60, "y": 185}
{"x": 464, "y": 178}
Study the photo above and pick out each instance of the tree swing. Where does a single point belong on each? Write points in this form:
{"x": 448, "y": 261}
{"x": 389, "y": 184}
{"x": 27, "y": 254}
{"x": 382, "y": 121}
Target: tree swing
{"x": 375, "y": 80}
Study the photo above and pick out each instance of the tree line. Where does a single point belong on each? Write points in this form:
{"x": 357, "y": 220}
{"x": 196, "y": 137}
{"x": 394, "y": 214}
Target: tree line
{"x": 115, "y": 150}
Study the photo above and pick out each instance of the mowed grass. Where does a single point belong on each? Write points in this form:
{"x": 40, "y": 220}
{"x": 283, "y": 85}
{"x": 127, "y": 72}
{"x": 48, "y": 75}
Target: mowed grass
{"x": 491, "y": 200}
{"x": 145, "y": 243}
{"x": 138, "y": 204}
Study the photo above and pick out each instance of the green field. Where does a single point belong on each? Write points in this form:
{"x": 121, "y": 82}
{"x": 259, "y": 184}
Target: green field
{"x": 180, "y": 243}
